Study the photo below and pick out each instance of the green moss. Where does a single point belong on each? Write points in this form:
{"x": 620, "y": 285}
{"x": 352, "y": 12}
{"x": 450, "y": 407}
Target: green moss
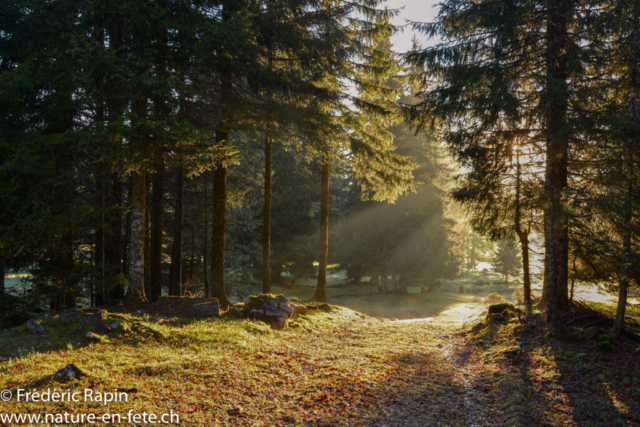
{"x": 496, "y": 318}
{"x": 501, "y": 307}
{"x": 327, "y": 308}
{"x": 525, "y": 329}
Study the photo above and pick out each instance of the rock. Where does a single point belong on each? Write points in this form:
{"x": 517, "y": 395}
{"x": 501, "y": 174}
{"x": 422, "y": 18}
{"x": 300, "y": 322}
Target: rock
{"x": 298, "y": 308}
{"x": 35, "y": 327}
{"x": 501, "y": 307}
{"x": 75, "y": 316}
{"x": 271, "y": 309}
{"x": 93, "y": 337}
{"x": 118, "y": 327}
{"x": 496, "y": 318}
{"x": 97, "y": 324}
{"x": 102, "y": 312}
{"x": 69, "y": 372}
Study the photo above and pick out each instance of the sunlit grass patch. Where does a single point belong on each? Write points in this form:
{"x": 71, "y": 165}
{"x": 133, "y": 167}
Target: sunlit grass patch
{"x": 566, "y": 380}
{"x": 333, "y": 366}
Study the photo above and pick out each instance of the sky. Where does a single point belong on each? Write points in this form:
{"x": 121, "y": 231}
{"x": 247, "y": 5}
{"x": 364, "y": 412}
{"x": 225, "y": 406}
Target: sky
{"x": 412, "y": 10}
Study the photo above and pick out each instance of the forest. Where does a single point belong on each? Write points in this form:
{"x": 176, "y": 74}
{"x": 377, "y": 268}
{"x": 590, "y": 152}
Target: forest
{"x": 276, "y": 188}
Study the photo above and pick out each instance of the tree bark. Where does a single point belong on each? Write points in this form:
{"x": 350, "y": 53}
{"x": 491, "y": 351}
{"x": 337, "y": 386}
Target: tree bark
{"x": 178, "y": 237}
{"x": 321, "y": 287}
{"x": 219, "y": 226}
{"x": 557, "y": 150}
{"x": 135, "y": 294}
{"x": 573, "y": 280}
{"x": 192, "y": 259}
{"x": 126, "y": 248}
{"x": 525, "y": 269}
{"x": 266, "y": 237}
{"x": 523, "y": 235}
{"x": 147, "y": 234}
{"x": 207, "y": 289}
{"x": 628, "y": 202}
{"x": 2, "y": 275}
{"x": 113, "y": 239}
{"x": 157, "y": 225}
{"x": 100, "y": 293}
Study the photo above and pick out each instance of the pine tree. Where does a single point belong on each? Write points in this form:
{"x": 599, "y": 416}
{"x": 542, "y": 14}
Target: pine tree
{"x": 484, "y": 90}
{"x": 507, "y": 260}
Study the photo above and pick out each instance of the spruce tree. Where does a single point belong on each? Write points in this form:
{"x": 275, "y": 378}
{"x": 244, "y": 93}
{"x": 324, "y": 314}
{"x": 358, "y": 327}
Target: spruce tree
{"x": 486, "y": 87}
{"x": 507, "y": 260}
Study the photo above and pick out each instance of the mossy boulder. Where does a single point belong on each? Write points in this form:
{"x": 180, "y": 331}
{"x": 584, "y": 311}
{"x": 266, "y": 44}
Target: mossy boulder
{"x": 496, "y": 318}
{"x": 501, "y": 307}
{"x": 35, "y": 327}
{"x": 269, "y": 308}
{"x": 119, "y": 327}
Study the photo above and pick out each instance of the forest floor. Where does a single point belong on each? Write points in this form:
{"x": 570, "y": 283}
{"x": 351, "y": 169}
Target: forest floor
{"x": 334, "y": 367}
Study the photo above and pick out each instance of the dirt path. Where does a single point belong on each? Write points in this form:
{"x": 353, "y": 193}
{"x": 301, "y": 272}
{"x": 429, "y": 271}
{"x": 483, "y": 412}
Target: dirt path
{"x": 464, "y": 402}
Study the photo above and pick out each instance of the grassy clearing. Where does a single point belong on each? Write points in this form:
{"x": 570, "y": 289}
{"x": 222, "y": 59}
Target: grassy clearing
{"x": 572, "y": 381}
{"x": 333, "y": 366}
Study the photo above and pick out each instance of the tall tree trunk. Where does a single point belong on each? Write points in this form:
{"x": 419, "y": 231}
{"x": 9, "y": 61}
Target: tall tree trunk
{"x": 207, "y": 289}
{"x": 192, "y": 259}
{"x": 157, "y": 224}
{"x": 573, "y": 280}
{"x": 127, "y": 227}
{"x": 218, "y": 227}
{"x": 523, "y": 235}
{"x": 524, "y": 242}
{"x": 147, "y": 234}
{"x": 99, "y": 295}
{"x": 135, "y": 294}
{"x": 557, "y": 149}
{"x": 542, "y": 305}
{"x": 2, "y": 275}
{"x": 113, "y": 239}
{"x": 628, "y": 202}
{"x": 321, "y": 287}
{"x": 178, "y": 237}
{"x": 266, "y": 236}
